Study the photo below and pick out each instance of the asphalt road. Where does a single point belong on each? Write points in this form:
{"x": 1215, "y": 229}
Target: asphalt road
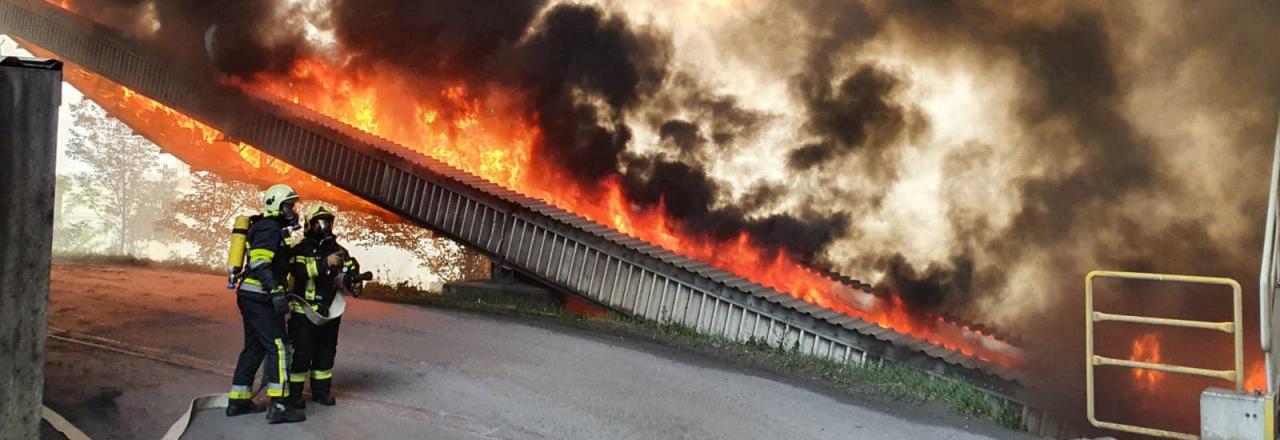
{"x": 130, "y": 347}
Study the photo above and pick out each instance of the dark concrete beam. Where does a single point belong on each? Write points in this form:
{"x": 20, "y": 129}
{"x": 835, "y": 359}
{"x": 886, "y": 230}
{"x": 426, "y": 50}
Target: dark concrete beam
{"x": 30, "y": 92}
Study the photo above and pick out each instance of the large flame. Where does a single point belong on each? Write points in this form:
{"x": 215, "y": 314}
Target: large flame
{"x": 201, "y": 146}
{"x": 481, "y": 137}
{"x": 478, "y": 137}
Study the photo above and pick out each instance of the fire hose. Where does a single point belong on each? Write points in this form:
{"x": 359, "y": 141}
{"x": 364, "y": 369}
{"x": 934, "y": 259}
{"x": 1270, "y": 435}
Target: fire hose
{"x": 60, "y": 424}
{"x": 336, "y": 309}
{"x": 351, "y": 281}
{"x": 216, "y": 400}
{"x": 219, "y": 400}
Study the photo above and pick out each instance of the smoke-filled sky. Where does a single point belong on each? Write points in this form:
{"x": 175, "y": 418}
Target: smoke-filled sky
{"x": 977, "y": 156}
{"x": 985, "y": 155}
{"x": 988, "y": 154}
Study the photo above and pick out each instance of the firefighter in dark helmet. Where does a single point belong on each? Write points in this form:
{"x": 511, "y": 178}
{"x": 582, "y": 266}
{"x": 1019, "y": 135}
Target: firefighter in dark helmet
{"x": 320, "y": 269}
{"x": 263, "y": 305}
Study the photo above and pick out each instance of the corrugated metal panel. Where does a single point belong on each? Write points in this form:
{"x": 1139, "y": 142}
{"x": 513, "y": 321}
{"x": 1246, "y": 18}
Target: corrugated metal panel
{"x": 546, "y": 242}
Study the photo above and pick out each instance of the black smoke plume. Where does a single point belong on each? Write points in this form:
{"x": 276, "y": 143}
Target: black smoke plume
{"x": 581, "y": 72}
{"x": 239, "y": 37}
{"x": 1080, "y": 213}
{"x": 715, "y": 123}
{"x": 690, "y": 195}
{"x": 927, "y": 289}
{"x": 861, "y": 113}
{"x": 454, "y": 39}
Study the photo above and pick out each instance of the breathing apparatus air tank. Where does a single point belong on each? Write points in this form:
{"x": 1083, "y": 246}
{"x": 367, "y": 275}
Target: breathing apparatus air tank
{"x": 235, "y": 254}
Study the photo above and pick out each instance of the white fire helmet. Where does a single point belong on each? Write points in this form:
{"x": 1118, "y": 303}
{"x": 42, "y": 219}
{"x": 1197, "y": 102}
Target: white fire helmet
{"x": 275, "y": 198}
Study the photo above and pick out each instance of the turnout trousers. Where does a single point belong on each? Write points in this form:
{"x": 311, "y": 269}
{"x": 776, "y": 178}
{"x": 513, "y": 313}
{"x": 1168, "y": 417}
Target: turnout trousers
{"x": 314, "y": 347}
{"x": 263, "y": 339}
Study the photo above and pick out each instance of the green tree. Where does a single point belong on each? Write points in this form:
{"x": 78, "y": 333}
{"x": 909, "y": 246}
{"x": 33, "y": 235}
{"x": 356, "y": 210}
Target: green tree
{"x": 70, "y": 235}
{"x": 203, "y": 216}
{"x": 127, "y": 187}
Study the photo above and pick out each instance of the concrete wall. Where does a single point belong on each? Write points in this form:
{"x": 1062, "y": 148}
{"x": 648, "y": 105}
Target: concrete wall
{"x": 30, "y": 92}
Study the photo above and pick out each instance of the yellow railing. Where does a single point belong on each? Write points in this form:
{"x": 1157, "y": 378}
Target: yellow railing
{"x": 1092, "y": 360}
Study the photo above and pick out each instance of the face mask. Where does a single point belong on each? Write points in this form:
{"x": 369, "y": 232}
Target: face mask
{"x": 290, "y": 216}
{"x": 322, "y": 227}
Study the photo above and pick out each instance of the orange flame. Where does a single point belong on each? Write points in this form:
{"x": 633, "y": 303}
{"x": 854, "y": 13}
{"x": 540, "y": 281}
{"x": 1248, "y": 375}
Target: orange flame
{"x": 1255, "y": 378}
{"x": 201, "y": 146}
{"x": 64, "y": 4}
{"x": 1146, "y": 348}
{"x": 486, "y": 138}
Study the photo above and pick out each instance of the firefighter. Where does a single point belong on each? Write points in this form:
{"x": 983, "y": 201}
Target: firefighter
{"x": 263, "y": 305}
{"x": 321, "y": 268}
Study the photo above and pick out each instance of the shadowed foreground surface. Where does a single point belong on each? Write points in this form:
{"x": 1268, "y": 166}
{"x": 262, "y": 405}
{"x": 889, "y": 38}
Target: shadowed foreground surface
{"x": 129, "y": 348}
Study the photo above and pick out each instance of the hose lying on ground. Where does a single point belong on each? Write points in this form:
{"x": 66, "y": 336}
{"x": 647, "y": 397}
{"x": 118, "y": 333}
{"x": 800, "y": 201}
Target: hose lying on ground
{"x": 219, "y": 400}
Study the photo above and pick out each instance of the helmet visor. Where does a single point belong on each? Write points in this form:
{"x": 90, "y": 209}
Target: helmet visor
{"x": 322, "y": 226}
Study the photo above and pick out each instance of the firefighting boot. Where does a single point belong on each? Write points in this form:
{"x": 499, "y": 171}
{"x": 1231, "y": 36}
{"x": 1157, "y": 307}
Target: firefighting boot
{"x": 237, "y": 407}
{"x": 281, "y": 412}
{"x": 321, "y": 392}
{"x": 295, "y": 395}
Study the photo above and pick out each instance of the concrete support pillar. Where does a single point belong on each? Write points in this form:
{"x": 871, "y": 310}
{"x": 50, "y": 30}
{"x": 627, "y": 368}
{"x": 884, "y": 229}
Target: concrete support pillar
{"x": 30, "y": 92}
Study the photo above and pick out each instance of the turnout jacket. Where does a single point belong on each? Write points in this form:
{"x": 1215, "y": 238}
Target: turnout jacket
{"x": 269, "y": 255}
{"x": 316, "y": 266}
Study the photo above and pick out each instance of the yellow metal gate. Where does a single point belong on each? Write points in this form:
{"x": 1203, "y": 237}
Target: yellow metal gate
{"x": 1092, "y": 360}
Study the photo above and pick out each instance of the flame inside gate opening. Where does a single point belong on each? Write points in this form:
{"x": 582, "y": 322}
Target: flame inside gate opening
{"x": 480, "y": 137}
{"x": 1146, "y": 348}
{"x": 1160, "y": 399}
{"x": 1149, "y": 347}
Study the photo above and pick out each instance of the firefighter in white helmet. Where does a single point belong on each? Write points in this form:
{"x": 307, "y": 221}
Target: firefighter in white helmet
{"x": 263, "y": 305}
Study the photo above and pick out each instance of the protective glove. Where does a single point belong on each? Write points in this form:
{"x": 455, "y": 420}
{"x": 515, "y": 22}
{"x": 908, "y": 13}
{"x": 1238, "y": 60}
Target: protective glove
{"x": 279, "y": 304}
